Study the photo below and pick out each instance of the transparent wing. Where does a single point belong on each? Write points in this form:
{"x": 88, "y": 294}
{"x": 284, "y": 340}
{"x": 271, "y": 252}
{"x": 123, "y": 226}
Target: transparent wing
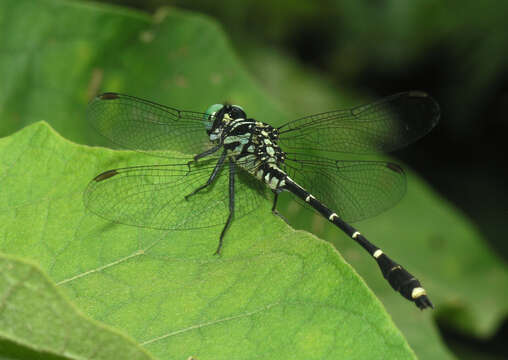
{"x": 154, "y": 196}
{"x": 355, "y": 190}
{"x": 385, "y": 125}
{"x": 142, "y": 125}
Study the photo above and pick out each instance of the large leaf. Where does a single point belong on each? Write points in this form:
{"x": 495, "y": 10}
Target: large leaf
{"x": 36, "y": 322}
{"x": 274, "y": 293}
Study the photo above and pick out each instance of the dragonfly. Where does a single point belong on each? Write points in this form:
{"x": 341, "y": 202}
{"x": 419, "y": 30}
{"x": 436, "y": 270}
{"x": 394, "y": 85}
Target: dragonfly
{"x": 238, "y": 162}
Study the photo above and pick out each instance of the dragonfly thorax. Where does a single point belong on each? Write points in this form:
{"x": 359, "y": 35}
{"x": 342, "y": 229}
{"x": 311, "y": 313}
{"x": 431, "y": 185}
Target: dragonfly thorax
{"x": 241, "y": 136}
{"x": 264, "y": 143}
{"x": 252, "y": 144}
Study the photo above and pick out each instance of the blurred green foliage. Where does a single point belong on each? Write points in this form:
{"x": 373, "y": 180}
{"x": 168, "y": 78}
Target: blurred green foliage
{"x": 349, "y": 39}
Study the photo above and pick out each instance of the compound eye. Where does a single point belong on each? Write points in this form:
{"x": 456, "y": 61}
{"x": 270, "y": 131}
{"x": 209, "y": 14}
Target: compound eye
{"x": 212, "y": 110}
{"x": 237, "y": 112}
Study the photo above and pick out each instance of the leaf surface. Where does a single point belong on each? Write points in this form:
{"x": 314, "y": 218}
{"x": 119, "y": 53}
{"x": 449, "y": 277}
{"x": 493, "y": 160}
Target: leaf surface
{"x": 274, "y": 292}
{"x": 37, "y": 322}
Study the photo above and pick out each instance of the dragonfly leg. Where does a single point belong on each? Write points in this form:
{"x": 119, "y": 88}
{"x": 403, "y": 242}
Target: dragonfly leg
{"x": 274, "y": 206}
{"x": 204, "y": 154}
{"x": 212, "y": 177}
{"x": 231, "y": 204}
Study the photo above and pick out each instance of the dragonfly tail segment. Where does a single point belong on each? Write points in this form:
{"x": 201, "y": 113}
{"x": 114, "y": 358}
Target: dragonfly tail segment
{"x": 398, "y": 277}
{"x": 403, "y": 282}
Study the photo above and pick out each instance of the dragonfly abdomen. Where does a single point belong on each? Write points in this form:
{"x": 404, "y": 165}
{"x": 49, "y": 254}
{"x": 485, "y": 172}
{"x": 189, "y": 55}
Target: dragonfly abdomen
{"x": 398, "y": 277}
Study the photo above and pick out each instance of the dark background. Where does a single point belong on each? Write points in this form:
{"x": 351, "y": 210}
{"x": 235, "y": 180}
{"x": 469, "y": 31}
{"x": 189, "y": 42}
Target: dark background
{"x": 457, "y": 51}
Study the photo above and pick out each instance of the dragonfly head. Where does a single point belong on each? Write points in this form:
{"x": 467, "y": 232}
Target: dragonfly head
{"x": 218, "y": 114}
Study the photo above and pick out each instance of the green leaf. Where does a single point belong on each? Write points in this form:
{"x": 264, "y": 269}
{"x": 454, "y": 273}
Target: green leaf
{"x": 274, "y": 292}
{"x": 37, "y": 322}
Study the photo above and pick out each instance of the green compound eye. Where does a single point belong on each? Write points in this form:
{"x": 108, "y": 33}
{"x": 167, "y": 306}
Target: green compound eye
{"x": 209, "y": 112}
